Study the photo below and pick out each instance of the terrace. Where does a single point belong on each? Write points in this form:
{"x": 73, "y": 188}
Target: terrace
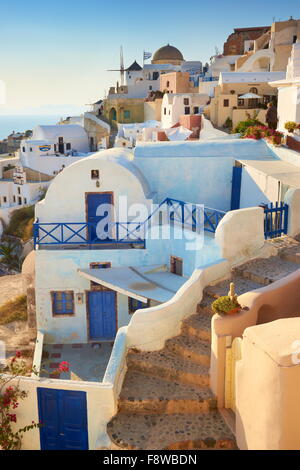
{"x": 122, "y": 235}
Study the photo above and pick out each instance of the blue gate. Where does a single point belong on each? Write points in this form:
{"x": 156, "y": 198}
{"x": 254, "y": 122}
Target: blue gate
{"x": 276, "y": 219}
{"x": 102, "y": 315}
{"x": 63, "y": 414}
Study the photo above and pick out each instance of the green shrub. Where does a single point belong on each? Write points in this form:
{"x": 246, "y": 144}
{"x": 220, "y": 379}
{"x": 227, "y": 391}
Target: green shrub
{"x": 225, "y": 304}
{"x": 20, "y": 222}
{"x": 228, "y": 123}
{"x": 13, "y": 310}
{"x": 242, "y": 126}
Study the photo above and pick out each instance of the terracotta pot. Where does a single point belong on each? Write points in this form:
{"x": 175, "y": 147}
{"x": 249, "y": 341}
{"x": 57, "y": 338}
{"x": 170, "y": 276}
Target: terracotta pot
{"x": 233, "y": 311}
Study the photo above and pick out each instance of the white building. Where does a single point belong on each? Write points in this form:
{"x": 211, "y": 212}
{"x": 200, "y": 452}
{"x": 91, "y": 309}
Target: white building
{"x": 54, "y": 147}
{"x": 175, "y": 105}
{"x": 139, "y": 81}
{"x": 289, "y": 91}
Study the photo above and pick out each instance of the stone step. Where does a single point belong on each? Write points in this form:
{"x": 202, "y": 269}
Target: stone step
{"x": 176, "y": 431}
{"x": 198, "y": 325}
{"x": 144, "y": 394}
{"x": 242, "y": 285}
{"x": 190, "y": 348}
{"x": 291, "y": 254}
{"x": 168, "y": 365}
{"x": 265, "y": 271}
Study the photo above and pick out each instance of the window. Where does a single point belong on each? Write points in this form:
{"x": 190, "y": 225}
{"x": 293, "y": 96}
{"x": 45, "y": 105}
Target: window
{"x": 30, "y": 149}
{"x": 4, "y": 199}
{"x": 14, "y": 198}
{"x": 126, "y": 114}
{"x": 134, "y": 304}
{"x": 168, "y": 84}
{"x": 294, "y": 39}
{"x": 226, "y": 103}
{"x": 54, "y": 147}
{"x": 68, "y": 146}
{"x": 165, "y": 110}
{"x": 253, "y": 90}
{"x": 25, "y": 200}
{"x": 19, "y": 201}
{"x": 241, "y": 102}
{"x": 155, "y": 75}
{"x": 19, "y": 190}
{"x": 101, "y": 265}
{"x": 186, "y": 101}
{"x": 150, "y": 87}
{"x": 187, "y": 110}
{"x": 23, "y": 149}
{"x": 62, "y": 302}
{"x": 196, "y": 110}
{"x": 176, "y": 265}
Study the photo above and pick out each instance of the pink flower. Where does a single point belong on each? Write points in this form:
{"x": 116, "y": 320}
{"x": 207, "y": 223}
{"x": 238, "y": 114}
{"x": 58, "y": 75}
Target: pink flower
{"x": 13, "y": 418}
{"x": 64, "y": 366}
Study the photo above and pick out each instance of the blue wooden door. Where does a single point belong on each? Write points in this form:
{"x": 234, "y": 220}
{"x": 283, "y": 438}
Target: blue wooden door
{"x": 63, "y": 414}
{"x": 98, "y": 217}
{"x": 102, "y": 314}
{"x": 236, "y": 187}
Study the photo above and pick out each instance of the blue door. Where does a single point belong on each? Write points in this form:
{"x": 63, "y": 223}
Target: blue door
{"x": 63, "y": 414}
{"x": 236, "y": 187}
{"x": 102, "y": 314}
{"x": 99, "y": 218}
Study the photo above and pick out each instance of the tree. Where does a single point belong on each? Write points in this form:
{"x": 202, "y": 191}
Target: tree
{"x": 11, "y": 254}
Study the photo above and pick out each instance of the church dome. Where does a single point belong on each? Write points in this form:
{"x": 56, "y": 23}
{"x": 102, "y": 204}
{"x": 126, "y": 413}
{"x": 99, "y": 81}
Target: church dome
{"x": 167, "y": 54}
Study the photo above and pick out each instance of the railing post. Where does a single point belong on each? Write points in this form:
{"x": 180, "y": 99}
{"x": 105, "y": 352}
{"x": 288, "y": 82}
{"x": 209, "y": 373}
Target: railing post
{"x": 286, "y": 217}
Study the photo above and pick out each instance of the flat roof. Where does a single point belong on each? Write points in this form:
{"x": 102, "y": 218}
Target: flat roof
{"x": 141, "y": 283}
{"x": 283, "y": 171}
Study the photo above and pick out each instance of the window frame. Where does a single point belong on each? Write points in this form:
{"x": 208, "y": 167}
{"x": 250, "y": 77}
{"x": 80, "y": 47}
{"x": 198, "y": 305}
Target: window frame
{"x": 69, "y": 313}
{"x": 140, "y": 305}
{"x": 227, "y": 103}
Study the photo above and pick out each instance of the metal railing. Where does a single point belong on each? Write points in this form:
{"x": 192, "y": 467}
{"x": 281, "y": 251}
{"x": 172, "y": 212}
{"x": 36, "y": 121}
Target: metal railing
{"x": 276, "y": 219}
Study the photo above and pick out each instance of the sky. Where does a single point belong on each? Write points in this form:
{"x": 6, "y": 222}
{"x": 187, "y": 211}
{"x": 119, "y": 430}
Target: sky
{"x": 54, "y": 56}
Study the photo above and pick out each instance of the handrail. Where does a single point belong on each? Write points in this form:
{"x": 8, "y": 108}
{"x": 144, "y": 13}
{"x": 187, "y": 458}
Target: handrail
{"x": 74, "y": 233}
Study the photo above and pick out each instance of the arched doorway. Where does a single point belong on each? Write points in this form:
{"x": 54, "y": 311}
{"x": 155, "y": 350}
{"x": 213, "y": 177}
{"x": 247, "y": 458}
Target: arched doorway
{"x": 113, "y": 115}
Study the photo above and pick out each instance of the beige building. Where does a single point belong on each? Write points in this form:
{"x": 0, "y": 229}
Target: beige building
{"x": 123, "y": 110}
{"x": 271, "y": 51}
{"x": 228, "y": 102}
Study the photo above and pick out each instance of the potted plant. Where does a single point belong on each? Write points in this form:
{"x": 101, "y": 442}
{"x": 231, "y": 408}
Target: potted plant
{"x": 227, "y": 304}
{"x": 290, "y": 126}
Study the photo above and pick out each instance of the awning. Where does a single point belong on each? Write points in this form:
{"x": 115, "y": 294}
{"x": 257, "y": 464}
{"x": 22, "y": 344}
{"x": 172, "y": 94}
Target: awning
{"x": 141, "y": 283}
{"x": 249, "y": 96}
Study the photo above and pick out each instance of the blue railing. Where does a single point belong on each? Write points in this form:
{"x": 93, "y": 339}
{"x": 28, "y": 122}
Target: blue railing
{"x": 85, "y": 233}
{"x": 78, "y": 233}
{"x": 276, "y": 219}
{"x": 186, "y": 213}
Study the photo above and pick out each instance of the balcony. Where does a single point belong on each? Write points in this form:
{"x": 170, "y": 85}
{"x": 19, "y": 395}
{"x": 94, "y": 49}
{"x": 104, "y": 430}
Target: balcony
{"x": 83, "y": 235}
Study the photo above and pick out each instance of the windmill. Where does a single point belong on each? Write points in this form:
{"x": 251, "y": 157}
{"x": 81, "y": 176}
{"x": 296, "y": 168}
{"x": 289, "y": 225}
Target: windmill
{"x": 121, "y": 69}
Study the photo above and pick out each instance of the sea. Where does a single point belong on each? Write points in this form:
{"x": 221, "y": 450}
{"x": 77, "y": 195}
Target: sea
{"x": 22, "y": 123}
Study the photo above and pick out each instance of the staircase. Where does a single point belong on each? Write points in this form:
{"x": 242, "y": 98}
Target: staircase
{"x": 165, "y": 401}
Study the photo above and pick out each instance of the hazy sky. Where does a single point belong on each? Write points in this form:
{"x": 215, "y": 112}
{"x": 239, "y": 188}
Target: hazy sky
{"x": 55, "y": 54}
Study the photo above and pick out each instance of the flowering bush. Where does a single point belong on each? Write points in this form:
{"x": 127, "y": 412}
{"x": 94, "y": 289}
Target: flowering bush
{"x": 261, "y": 132}
{"x": 10, "y": 397}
